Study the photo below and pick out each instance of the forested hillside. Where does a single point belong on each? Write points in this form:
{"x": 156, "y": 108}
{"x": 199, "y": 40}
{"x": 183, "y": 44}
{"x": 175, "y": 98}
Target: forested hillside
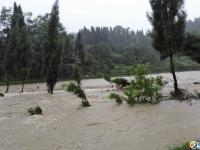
{"x": 98, "y": 50}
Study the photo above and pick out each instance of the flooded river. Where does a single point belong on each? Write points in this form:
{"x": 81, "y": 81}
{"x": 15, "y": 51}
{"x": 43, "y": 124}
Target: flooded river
{"x": 104, "y": 126}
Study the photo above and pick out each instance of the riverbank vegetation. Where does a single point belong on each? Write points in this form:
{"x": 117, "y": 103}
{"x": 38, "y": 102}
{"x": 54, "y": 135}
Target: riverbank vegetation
{"x": 142, "y": 89}
{"x": 76, "y": 88}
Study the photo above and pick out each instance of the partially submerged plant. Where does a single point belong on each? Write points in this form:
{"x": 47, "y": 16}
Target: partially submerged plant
{"x": 121, "y": 83}
{"x": 143, "y": 89}
{"x": 1, "y": 95}
{"x": 78, "y": 91}
{"x": 183, "y": 95}
{"x": 182, "y": 147}
{"x": 35, "y": 110}
{"x": 76, "y": 88}
{"x": 116, "y": 97}
{"x": 72, "y": 87}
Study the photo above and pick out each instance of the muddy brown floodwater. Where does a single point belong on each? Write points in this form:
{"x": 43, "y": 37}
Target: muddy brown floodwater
{"x": 104, "y": 126}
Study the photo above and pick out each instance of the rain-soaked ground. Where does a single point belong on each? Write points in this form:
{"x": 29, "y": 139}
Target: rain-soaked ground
{"x": 104, "y": 126}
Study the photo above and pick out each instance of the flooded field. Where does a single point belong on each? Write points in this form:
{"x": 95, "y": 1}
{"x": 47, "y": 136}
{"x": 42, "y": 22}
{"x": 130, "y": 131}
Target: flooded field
{"x": 104, "y": 126}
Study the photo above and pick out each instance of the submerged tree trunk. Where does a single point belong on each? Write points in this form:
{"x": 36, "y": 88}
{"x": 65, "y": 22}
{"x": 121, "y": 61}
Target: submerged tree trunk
{"x": 50, "y": 87}
{"x": 22, "y": 85}
{"x": 7, "y": 86}
{"x": 176, "y": 89}
{"x": 85, "y": 103}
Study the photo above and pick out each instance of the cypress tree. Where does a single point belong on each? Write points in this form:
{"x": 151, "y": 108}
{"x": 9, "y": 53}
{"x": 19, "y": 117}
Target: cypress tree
{"x": 80, "y": 48}
{"x": 23, "y": 49}
{"x": 168, "y": 21}
{"x": 52, "y": 54}
{"x": 11, "y": 48}
{"x": 17, "y": 54}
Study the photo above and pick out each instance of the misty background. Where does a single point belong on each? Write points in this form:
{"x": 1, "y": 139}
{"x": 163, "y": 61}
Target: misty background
{"x": 75, "y": 14}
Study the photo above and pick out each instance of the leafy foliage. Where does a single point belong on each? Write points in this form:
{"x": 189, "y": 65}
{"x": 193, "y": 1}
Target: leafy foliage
{"x": 35, "y": 110}
{"x": 72, "y": 87}
{"x": 77, "y": 90}
{"x": 142, "y": 89}
{"x": 117, "y": 98}
{"x": 182, "y": 147}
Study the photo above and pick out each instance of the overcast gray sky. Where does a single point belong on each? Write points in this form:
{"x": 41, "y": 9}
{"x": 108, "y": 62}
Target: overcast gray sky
{"x": 75, "y": 14}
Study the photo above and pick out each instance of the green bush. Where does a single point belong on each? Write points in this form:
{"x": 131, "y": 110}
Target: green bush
{"x": 72, "y": 87}
{"x": 140, "y": 70}
{"x": 116, "y": 97}
{"x": 78, "y": 91}
{"x": 183, "y": 147}
{"x": 35, "y": 110}
{"x": 142, "y": 89}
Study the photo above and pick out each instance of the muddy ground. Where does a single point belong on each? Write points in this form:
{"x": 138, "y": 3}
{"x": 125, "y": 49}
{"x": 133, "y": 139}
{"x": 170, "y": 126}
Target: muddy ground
{"x": 104, "y": 126}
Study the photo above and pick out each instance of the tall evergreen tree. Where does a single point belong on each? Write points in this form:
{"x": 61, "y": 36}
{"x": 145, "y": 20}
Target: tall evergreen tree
{"x": 11, "y": 48}
{"x": 5, "y": 22}
{"x": 80, "y": 48}
{"x": 23, "y": 49}
{"x": 168, "y": 21}
{"x": 53, "y": 53}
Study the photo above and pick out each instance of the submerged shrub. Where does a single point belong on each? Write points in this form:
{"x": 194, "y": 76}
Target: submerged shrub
{"x": 78, "y": 91}
{"x": 1, "y": 95}
{"x": 76, "y": 87}
{"x": 143, "y": 89}
{"x": 116, "y": 97}
{"x": 120, "y": 82}
{"x": 72, "y": 87}
{"x": 35, "y": 110}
